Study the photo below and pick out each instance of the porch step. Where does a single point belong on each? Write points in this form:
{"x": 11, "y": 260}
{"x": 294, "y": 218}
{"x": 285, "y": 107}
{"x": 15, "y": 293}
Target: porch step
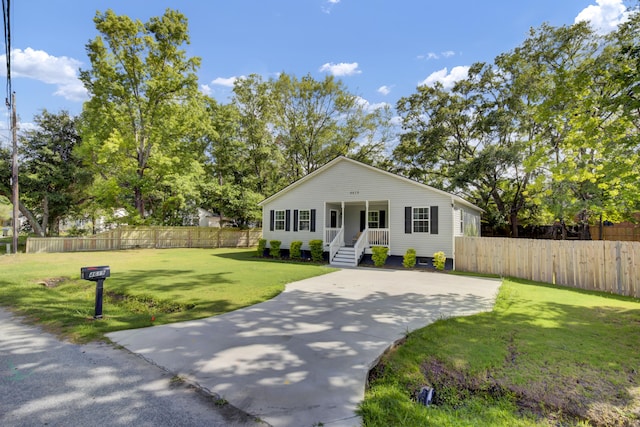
{"x": 346, "y": 257}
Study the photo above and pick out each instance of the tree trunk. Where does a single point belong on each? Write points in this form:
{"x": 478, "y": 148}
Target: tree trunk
{"x": 32, "y": 219}
{"x": 139, "y": 201}
{"x": 45, "y": 216}
{"x": 513, "y": 219}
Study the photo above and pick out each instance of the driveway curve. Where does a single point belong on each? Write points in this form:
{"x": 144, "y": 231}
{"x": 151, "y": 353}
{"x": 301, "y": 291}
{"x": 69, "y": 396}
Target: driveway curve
{"x": 302, "y": 358}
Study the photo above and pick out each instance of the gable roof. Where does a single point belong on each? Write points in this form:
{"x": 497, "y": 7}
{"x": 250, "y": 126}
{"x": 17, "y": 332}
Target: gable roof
{"x": 340, "y": 159}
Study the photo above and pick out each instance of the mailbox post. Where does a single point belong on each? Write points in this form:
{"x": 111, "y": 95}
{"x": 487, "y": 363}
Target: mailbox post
{"x": 96, "y": 274}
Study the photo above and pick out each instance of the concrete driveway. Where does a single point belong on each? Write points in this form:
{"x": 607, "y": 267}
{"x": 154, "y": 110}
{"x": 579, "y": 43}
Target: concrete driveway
{"x": 302, "y": 358}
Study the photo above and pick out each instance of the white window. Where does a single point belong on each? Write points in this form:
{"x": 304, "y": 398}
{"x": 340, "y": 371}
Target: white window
{"x": 461, "y": 222}
{"x": 421, "y": 220}
{"x": 374, "y": 219}
{"x": 304, "y": 220}
{"x": 279, "y": 220}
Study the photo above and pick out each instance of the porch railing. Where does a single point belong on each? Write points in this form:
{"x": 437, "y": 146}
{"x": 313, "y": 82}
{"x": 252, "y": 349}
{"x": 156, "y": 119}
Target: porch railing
{"x": 336, "y": 243}
{"x": 331, "y": 233}
{"x": 361, "y": 244}
{"x": 378, "y": 236}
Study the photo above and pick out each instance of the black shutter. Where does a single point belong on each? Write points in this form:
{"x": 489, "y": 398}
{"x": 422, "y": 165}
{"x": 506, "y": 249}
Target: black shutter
{"x": 287, "y": 220}
{"x": 312, "y": 226}
{"x": 363, "y": 219}
{"x": 295, "y": 220}
{"x": 383, "y": 219}
{"x": 434, "y": 220}
{"x": 407, "y": 219}
{"x": 272, "y": 219}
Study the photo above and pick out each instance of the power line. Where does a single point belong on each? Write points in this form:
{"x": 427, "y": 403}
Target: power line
{"x": 6, "y": 15}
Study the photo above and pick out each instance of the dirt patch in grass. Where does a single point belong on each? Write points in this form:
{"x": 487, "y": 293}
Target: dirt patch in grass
{"x": 561, "y": 400}
{"x": 144, "y": 304}
{"x": 52, "y": 282}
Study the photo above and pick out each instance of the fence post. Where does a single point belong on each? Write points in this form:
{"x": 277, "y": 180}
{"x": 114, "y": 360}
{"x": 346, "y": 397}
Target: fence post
{"x": 618, "y": 268}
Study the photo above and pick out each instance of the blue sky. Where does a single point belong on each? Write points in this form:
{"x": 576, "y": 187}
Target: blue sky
{"x": 381, "y": 49}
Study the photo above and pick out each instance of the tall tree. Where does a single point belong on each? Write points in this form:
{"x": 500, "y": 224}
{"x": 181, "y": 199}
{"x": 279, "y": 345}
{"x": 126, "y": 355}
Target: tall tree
{"x": 52, "y": 181}
{"x": 315, "y": 121}
{"x": 143, "y": 122}
{"x": 545, "y": 133}
{"x": 233, "y": 190}
{"x": 252, "y": 97}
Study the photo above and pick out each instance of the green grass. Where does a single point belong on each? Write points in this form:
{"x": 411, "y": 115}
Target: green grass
{"x": 166, "y": 285}
{"x": 545, "y": 356}
{"x": 22, "y": 243}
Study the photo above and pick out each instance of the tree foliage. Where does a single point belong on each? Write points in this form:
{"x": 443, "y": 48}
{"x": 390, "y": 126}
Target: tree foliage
{"x": 144, "y": 121}
{"x": 548, "y": 132}
{"x": 52, "y": 180}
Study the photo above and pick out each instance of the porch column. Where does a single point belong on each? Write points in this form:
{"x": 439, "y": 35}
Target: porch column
{"x": 366, "y": 215}
{"x": 388, "y": 225}
{"x": 342, "y": 221}
{"x": 324, "y": 228}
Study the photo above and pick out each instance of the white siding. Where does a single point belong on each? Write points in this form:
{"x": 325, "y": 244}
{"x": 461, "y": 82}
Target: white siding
{"x": 351, "y": 183}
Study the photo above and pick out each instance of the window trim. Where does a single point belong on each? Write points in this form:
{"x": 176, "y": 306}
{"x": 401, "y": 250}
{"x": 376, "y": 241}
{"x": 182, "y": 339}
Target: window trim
{"x": 377, "y": 221}
{"x": 281, "y": 221}
{"x": 331, "y": 211}
{"x": 426, "y": 221}
{"x": 308, "y": 220}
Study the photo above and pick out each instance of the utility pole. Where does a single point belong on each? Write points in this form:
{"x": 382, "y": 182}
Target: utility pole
{"x": 14, "y": 172}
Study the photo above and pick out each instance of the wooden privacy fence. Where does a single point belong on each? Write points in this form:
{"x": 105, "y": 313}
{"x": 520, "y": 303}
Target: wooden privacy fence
{"x": 149, "y": 237}
{"x": 607, "y": 266}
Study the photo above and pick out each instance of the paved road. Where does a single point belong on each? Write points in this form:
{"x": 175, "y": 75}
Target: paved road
{"x": 302, "y": 358}
{"x": 46, "y": 382}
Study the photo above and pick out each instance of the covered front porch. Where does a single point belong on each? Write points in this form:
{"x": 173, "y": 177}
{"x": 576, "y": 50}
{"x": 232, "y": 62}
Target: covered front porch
{"x": 353, "y": 227}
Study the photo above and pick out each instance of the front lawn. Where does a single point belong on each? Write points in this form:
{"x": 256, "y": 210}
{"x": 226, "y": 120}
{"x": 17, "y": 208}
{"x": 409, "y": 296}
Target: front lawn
{"x": 545, "y": 356}
{"x": 146, "y": 287}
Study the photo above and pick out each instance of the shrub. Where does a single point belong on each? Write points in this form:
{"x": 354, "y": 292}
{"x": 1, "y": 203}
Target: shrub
{"x": 316, "y": 250}
{"x": 409, "y": 260}
{"x": 274, "y": 248}
{"x": 294, "y": 249}
{"x": 262, "y": 244}
{"x": 439, "y": 258}
{"x": 379, "y": 256}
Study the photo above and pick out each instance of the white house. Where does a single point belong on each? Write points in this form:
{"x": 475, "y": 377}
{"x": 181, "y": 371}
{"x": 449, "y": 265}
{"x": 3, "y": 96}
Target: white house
{"x": 352, "y": 206}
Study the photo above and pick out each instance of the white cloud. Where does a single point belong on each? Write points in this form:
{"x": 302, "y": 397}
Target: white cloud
{"x": 384, "y": 90}
{"x": 328, "y": 6}
{"x": 604, "y": 17}
{"x": 430, "y": 55}
{"x": 448, "y": 80}
{"x": 341, "y": 69}
{"x": 433, "y": 55}
{"x": 227, "y": 82}
{"x": 60, "y": 71}
{"x": 205, "y": 89}
{"x": 371, "y": 107}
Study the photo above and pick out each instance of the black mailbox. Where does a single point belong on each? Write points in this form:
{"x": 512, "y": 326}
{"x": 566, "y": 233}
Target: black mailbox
{"x": 96, "y": 274}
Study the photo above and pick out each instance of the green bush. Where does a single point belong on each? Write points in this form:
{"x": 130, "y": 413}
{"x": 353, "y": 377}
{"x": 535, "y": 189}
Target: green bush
{"x": 409, "y": 260}
{"x": 262, "y": 245}
{"x": 439, "y": 258}
{"x": 316, "y": 250}
{"x": 380, "y": 255}
{"x": 274, "y": 248}
{"x": 294, "y": 250}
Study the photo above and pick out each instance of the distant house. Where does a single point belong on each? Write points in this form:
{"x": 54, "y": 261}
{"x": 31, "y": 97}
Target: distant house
{"x": 209, "y": 219}
{"x": 352, "y": 207}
